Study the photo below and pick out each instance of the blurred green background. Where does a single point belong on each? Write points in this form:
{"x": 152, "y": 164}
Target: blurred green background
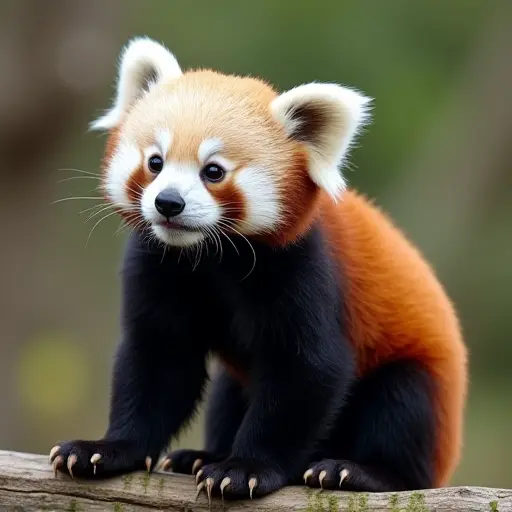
{"x": 437, "y": 157}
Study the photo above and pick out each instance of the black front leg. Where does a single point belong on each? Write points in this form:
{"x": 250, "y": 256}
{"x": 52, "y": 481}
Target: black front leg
{"x": 156, "y": 385}
{"x": 294, "y": 394}
{"x": 225, "y": 411}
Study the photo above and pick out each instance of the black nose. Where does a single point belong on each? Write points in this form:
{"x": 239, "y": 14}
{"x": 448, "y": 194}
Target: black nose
{"x": 169, "y": 203}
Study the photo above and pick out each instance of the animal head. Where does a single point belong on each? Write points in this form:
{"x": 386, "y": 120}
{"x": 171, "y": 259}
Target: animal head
{"x": 197, "y": 152}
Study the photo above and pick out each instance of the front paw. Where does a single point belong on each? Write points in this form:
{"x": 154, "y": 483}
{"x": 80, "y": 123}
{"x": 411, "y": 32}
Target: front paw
{"x": 235, "y": 479}
{"x": 99, "y": 459}
{"x": 330, "y": 474}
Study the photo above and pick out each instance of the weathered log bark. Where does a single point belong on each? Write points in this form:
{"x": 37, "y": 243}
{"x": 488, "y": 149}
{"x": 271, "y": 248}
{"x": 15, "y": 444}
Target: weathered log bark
{"x": 27, "y": 483}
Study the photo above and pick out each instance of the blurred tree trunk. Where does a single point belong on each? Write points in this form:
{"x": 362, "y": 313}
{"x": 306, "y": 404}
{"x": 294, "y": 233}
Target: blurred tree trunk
{"x": 54, "y": 54}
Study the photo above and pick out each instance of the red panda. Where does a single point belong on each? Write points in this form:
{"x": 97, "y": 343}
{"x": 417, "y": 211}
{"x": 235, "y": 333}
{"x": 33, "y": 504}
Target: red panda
{"x": 343, "y": 364}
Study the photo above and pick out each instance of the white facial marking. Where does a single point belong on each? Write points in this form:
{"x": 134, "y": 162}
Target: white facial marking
{"x": 208, "y": 153}
{"x": 262, "y": 200}
{"x": 208, "y": 148}
{"x": 124, "y": 162}
{"x": 201, "y": 210}
{"x": 164, "y": 141}
{"x": 177, "y": 238}
{"x": 152, "y": 150}
{"x": 226, "y": 164}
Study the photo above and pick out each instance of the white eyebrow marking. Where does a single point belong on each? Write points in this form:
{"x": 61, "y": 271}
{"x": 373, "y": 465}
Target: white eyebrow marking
{"x": 164, "y": 140}
{"x": 152, "y": 150}
{"x": 208, "y": 148}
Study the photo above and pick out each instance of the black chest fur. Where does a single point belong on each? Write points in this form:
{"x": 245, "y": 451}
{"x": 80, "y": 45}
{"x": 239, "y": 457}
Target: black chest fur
{"x": 234, "y": 301}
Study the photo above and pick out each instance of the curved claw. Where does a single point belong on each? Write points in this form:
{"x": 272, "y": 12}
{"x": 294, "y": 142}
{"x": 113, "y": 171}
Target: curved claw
{"x": 166, "y": 464}
{"x": 56, "y": 463}
{"x": 199, "y": 488}
{"x": 197, "y": 464}
{"x": 253, "y": 482}
{"x": 198, "y": 475}
{"x": 321, "y": 477}
{"x": 53, "y": 452}
{"x": 94, "y": 460}
{"x": 307, "y": 474}
{"x": 223, "y": 485}
{"x": 209, "y": 486}
{"x": 71, "y": 462}
{"x": 343, "y": 475}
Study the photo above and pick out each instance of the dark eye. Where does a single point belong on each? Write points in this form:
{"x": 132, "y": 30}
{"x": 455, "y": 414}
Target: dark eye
{"x": 213, "y": 172}
{"x": 155, "y": 163}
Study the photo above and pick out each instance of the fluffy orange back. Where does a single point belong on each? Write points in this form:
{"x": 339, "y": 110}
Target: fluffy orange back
{"x": 396, "y": 309}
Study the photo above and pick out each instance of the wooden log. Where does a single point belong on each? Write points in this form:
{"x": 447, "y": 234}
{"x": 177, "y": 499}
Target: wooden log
{"x": 27, "y": 483}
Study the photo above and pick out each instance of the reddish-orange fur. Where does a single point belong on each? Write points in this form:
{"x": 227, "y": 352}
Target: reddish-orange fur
{"x": 396, "y": 309}
{"x": 300, "y": 197}
{"x": 231, "y": 197}
{"x": 139, "y": 179}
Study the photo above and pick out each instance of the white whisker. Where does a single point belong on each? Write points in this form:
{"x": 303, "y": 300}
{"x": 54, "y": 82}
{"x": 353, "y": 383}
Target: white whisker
{"x": 249, "y": 243}
{"x": 93, "y": 207}
{"x": 199, "y": 250}
{"x": 101, "y": 210}
{"x": 219, "y": 239}
{"x": 163, "y": 255}
{"x": 138, "y": 194}
{"x": 83, "y": 172}
{"x": 79, "y": 178}
{"x": 75, "y": 198}
{"x": 210, "y": 231}
{"x": 94, "y": 227}
{"x": 229, "y": 239}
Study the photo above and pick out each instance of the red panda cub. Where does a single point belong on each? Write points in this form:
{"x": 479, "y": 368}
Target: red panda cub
{"x": 342, "y": 360}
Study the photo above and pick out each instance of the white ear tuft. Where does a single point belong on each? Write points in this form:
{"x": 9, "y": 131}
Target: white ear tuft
{"x": 327, "y": 118}
{"x": 143, "y": 62}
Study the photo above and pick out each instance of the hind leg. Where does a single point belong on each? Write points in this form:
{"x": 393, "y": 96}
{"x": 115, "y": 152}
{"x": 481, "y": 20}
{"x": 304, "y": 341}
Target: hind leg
{"x": 384, "y": 438}
{"x": 224, "y": 412}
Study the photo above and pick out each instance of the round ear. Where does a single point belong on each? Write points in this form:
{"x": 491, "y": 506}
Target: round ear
{"x": 326, "y": 118}
{"x": 142, "y": 63}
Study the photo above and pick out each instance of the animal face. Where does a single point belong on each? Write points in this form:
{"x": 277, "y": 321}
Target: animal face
{"x": 201, "y": 154}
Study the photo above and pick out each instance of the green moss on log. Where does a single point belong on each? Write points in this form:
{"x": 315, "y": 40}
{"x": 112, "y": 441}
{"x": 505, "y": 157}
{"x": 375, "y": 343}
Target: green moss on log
{"x": 417, "y": 503}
